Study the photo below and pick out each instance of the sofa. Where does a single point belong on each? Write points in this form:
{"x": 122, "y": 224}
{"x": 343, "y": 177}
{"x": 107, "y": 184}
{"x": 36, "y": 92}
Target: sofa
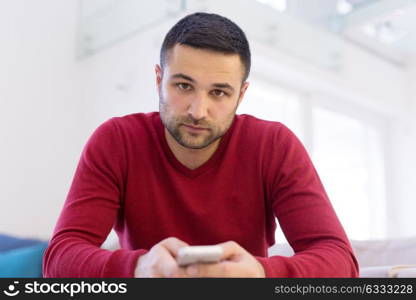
{"x": 21, "y": 257}
{"x": 376, "y": 258}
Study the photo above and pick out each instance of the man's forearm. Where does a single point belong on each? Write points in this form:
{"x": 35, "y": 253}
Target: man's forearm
{"x": 73, "y": 257}
{"x": 323, "y": 260}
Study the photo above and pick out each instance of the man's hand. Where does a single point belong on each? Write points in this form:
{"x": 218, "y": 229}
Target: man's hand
{"x": 160, "y": 261}
{"x": 236, "y": 262}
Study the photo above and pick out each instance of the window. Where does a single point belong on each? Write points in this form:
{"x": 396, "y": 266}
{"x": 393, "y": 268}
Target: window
{"x": 346, "y": 151}
{"x": 348, "y": 156}
{"x": 273, "y": 103}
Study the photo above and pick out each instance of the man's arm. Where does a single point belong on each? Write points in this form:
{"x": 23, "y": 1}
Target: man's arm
{"x": 307, "y": 218}
{"x": 89, "y": 213}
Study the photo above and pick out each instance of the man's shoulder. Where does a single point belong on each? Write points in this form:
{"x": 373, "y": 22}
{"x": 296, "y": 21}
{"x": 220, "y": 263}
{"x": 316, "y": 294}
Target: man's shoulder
{"x": 135, "y": 118}
{"x": 134, "y": 122}
{"x": 128, "y": 127}
{"x": 249, "y": 123}
{"x": 254, "y": 130}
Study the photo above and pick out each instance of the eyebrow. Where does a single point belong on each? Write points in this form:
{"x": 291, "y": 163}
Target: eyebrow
{"x": 223, "y": 86}
{"x": 182, "y": 76}
{"x": 186, "y": 77}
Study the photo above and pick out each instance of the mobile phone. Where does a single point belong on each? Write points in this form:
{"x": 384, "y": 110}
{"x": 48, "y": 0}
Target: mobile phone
{"x": 199, "y": 254}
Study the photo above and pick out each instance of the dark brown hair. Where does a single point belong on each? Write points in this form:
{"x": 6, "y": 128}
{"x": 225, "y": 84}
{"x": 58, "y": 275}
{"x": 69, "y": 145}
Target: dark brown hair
{"x": 208, "y": 31}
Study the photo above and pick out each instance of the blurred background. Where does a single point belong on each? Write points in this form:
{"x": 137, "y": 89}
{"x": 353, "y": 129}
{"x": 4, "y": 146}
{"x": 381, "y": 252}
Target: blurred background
{"x": 340, "y": 73}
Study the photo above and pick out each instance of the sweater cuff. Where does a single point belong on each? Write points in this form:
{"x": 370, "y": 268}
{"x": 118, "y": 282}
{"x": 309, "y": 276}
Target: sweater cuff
{"x": 273, "y": 267}
{"x": 122, "y": 263}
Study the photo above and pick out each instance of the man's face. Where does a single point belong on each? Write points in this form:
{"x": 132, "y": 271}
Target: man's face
{"x": 199, "y": 92}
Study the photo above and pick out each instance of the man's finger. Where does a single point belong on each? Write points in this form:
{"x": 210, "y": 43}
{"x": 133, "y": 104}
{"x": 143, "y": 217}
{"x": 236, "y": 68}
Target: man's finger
{"x": 173, "y": 245}
{"x": 169, "y": 268}
{"x": 221, "y": 269}
{"x": 230, "y": 250}
{"x": 168, "y": 265}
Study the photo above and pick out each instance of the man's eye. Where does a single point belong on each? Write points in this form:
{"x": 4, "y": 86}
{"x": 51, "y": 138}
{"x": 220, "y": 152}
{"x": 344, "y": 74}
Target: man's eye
{"x": 183, "y": 86}
{"x": 218, "y": 93}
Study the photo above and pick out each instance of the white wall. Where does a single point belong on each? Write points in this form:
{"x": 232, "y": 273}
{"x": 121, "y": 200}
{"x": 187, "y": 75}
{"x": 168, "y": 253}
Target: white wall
{"x": 403, "y": 164}
{"x": 41, "y": 116}
{"x": 51, "y": 101}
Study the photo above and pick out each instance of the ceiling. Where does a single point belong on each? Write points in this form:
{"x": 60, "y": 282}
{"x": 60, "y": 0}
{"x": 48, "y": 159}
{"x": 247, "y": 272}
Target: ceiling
{"x": 386, "y": 28}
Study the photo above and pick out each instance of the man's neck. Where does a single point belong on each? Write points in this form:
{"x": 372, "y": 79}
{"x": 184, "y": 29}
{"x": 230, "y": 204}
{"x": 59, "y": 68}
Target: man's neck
{"x": 191, "y": 158}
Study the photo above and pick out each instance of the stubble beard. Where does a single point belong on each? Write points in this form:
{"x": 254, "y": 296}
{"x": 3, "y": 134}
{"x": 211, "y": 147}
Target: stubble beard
{"x": 189, "y": 140}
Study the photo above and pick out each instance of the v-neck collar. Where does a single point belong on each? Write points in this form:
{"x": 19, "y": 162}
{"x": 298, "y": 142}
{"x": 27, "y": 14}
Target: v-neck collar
{"x": 192, "y": 173}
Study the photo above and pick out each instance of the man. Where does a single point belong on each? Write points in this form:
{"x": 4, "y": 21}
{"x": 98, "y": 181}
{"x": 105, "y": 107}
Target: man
{"x": 197, "y": 174}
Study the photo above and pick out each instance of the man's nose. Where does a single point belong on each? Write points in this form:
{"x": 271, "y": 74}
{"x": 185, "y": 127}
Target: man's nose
{"x": 198, "y": 108}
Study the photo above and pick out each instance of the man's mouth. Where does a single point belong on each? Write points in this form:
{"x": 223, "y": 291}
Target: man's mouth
{"x": 194, "y": 128}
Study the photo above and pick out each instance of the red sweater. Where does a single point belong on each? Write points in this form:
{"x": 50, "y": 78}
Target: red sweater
{"x": 129, "y": 179}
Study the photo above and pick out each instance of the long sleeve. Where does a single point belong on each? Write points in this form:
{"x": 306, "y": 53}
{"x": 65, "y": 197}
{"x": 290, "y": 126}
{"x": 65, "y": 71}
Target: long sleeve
{"x": 307, "y": 218}
{"x": 89, "y": 213}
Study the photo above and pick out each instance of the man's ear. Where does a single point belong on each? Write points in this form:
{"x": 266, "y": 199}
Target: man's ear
{"x": 159, "y": 73}
{"x": 242, "y": 92}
